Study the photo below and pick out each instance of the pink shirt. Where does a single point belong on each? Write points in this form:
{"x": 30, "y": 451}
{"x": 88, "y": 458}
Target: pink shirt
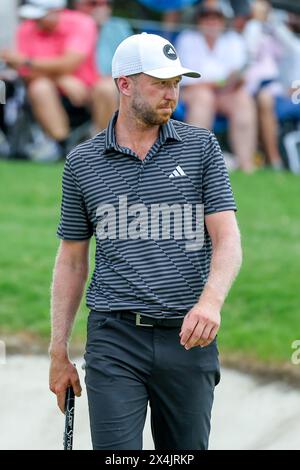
{"x": 75, "y": 32}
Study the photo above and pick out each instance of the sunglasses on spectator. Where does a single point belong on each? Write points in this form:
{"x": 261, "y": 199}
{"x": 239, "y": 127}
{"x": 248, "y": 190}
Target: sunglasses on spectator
{"x": 211, "y": 14}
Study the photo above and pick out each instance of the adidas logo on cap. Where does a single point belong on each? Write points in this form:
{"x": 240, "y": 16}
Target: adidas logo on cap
{"x": 170, "y": 52}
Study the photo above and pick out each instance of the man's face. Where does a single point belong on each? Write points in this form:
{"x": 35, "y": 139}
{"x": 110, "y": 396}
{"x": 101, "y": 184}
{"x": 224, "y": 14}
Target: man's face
{"x": 153, "y": 100}
{"x": 212, "y": 25}
{"x": 49, "y": 22}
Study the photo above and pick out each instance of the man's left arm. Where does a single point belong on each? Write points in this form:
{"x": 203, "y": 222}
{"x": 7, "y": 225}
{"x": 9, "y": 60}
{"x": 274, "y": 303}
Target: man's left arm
{"x": 202, "y": 322}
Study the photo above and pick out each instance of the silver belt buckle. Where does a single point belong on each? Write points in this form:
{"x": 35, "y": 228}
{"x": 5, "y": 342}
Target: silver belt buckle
{"x": 138, "y": 321}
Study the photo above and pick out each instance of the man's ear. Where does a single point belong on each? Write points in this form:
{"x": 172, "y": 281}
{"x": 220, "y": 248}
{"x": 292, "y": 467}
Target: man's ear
{"x": 125, "y": 85}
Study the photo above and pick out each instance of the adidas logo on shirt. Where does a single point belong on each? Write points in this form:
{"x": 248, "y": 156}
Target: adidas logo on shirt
{"x": 177, "y": 172}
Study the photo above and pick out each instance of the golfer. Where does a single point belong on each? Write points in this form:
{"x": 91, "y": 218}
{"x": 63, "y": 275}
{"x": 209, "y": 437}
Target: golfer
{"x": 155, "y": 194}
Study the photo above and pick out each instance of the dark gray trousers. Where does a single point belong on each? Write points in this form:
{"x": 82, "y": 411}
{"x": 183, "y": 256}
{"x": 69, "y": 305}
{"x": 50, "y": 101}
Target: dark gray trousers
{"x": 128, "y": 366}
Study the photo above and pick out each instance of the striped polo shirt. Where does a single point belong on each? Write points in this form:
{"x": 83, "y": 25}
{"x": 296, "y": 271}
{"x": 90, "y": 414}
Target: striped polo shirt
{"x": 153, "y": 251}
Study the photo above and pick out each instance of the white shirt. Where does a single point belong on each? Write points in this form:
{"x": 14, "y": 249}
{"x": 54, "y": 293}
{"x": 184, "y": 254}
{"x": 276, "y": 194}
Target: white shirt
{"x": 265, "y": 53}
{"x": 228, "y": 54}
{"x": 290, "y": 64}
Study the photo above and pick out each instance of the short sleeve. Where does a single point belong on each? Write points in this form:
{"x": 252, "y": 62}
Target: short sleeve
{"x": 217, "y": 192}
{"x": 74, "y": 223}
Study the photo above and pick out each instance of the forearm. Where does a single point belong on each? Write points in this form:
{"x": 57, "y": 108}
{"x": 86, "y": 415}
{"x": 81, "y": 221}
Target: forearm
{"x": 225, "y": 265}
{"x": 66, "y": 294}
{"x": 51, "y": 67}
{"x": 25, "y": 65}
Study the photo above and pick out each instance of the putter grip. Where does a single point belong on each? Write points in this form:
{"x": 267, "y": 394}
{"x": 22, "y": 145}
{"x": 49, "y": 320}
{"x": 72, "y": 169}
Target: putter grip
{"x": 69, "y": 419}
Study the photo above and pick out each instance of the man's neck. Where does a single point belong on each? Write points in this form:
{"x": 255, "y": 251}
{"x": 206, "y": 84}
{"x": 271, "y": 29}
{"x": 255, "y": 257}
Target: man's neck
{"x": 135, "y": 134}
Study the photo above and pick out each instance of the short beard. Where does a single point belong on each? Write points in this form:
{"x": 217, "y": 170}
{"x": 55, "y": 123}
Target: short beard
{"x": 146, "y": 114}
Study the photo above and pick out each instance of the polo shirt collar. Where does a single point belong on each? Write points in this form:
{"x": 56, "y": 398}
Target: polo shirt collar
{"x": 110, "y": 138}
{"x": 167, "y": 131}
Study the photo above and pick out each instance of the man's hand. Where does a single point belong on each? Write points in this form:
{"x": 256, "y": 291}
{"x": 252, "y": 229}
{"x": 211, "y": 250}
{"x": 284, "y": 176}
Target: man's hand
{"x": 200, "y": 325}
{"x": 62, "y": 375}
{"x": 11, "y": 58}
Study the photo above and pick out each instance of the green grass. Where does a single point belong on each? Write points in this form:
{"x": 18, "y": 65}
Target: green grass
{"x": 29, "y": 213}
{"x": 261, "y": 316}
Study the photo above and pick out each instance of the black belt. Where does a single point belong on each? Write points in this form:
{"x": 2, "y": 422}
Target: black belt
{"x": 142, "y": 320}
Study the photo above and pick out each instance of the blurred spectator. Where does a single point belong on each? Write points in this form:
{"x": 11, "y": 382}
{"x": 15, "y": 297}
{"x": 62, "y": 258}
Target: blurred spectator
{"x": 221, "y": 57}
{"x": 274, "y": 64}
{"x": 111, "y": 30}
{"x": 287, "y": 32}
{"x": 287, "y": 107}
{"x": 55, "y": 56}
{"x": 263, "y": 77}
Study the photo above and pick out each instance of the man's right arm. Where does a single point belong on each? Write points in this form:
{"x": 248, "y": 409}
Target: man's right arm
{"x": 69, "y": 279}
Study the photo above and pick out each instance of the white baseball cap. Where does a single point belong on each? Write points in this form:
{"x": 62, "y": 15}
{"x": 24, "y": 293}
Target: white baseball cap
{"x": 36, "y": 9}
{"x": 150, "y": 54}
